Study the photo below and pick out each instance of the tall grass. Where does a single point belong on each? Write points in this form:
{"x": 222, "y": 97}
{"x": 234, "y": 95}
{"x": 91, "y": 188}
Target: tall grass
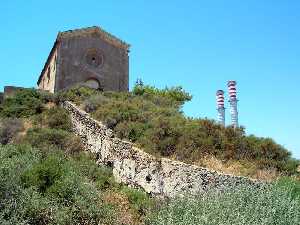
{"x": 274, "y": 205}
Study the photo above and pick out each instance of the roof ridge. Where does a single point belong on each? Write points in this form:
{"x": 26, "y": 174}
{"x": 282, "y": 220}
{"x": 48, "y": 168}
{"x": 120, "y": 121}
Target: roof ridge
{"x": 108, "y": 36}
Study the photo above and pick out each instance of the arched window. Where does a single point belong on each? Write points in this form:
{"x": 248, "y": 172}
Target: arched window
{"x": 92, "y": 83}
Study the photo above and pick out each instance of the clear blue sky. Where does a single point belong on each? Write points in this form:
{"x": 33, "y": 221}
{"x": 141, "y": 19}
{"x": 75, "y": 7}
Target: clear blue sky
{"x": 197, "y": 44}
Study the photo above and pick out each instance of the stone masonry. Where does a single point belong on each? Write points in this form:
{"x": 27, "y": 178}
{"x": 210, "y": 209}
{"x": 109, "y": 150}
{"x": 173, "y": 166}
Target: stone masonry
{"x": 136, "y": 168}
{"x": 87, "y": 57}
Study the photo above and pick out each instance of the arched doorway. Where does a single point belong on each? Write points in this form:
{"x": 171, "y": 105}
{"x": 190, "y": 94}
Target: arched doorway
{"x": 92, "y": 83}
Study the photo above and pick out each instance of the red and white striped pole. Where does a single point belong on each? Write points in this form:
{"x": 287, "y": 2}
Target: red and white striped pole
{"x": 233, "y": 102}
{"x": 220, "y": 107}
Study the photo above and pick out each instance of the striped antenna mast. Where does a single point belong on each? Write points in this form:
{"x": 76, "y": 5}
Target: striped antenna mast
{"x": 220, "y": 107}
{"x": 233, "y": 103}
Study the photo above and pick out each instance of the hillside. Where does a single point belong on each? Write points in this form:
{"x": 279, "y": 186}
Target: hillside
{"x": 46, "y": 177}
{"x": 153, "y": 120}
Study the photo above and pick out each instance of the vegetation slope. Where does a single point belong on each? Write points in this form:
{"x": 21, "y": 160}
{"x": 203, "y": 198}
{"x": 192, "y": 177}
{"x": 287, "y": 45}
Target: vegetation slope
{"x": 152, "y": 118}
{"x": 47, "y": 178}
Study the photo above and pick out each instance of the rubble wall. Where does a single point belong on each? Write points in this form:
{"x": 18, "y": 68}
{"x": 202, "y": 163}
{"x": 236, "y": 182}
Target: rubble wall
{"x": 136, "y": 168}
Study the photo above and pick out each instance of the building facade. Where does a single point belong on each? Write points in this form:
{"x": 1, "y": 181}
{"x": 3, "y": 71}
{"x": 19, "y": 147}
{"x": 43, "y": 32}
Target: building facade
{"x": 90, "y": 57}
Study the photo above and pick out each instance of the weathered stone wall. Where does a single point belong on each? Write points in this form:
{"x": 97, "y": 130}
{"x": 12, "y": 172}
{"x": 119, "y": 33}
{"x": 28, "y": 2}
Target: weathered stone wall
{"x": 132, "y": 166}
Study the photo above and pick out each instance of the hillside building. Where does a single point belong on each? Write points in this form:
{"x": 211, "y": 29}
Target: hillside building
{"x": 91, "y": 57}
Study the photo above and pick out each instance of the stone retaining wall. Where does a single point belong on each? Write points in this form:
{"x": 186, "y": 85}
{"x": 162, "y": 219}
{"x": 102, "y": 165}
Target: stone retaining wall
{"x": 132, "y": 166}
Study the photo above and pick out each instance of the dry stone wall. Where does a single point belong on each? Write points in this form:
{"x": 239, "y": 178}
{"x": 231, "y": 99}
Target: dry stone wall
{"x": 132, "y": 166}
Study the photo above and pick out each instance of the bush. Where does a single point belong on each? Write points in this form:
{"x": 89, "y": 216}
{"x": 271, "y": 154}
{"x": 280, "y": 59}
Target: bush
{"x": 164, "y": 135}
{"x": 9, "y": 128}
{"x": 151, "y": 118}
{"x": 245, "y": 206}
{"x": 52, "y": 189}
{"x": 25, "y": 103}
{"x": 94, "y": 101}
{"x": 139, "y": 200}
{"x": 44, "y": 174}
{"x": 75, "y": 94}
{"x": 54, "y": 118}
{"x": 102, "y": 176}
{"x": 46, "y": 96}
{"x": 13, "y": 161}
{"x": 35, "y": 208}
{"x": 291, "y": 184}
{"x": 176, "y": 94}
{"x": 46, "y": 138}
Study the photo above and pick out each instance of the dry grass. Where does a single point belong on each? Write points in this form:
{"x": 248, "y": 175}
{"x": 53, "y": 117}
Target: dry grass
{"x": 239, "y": 168}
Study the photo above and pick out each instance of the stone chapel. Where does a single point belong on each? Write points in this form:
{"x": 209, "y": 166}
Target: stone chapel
{"x": 91, "y": 57}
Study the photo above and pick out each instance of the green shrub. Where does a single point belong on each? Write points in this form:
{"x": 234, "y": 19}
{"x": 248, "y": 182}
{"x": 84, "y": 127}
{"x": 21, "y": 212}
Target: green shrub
{"x": 75, "y": 94}
{"x": 290, "y": 166}
{"x": 14, "y": 159}
{"x": 139, "y": 200}
{"x": 245, "y": 206}
{"x": 9, "y": 127}
{"x": 66, "y": 189}
{"x": 164, "y": 135}
{"x": 152, "y": 118}
{"x": 94, "y": 101}
{"x": 290, "y": 184}
{"x": 176, "y": 94}
{"x": 44, "y": 174}
{"x": 102, "y": 176}
{"x": 36, "y": 209}
{"x": 55, "y": 118}
{"x": 46, "y": 96}
{"x": 52, "y": 189}
{"x": 46, "y": 138}
{"x": 73, "y": 145}
{"x": 25, "y": 103}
